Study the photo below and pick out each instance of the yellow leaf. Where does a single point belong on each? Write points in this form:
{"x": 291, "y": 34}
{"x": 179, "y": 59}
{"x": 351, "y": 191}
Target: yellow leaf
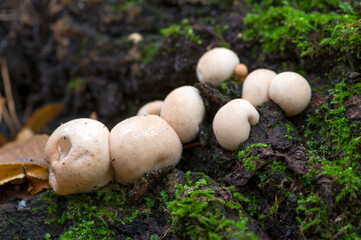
{"x": 19, "y": 160}
{"x": 42, "y": 116}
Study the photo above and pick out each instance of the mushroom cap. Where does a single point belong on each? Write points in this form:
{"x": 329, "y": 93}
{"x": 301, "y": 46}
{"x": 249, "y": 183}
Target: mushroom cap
{"x": 78, "y": 154}
{"x": 241, "y": 72}
{"x": 151, "y": 108}
{"x": 142, "y": 144}
{"x": 135, "y": 37}
{"x": 291, "y": 92}
{"x": 256, "y": 85}
{"x": 184, "y": 111}
{"x": 216, "y": 66}
{"x": 231, "y": 124}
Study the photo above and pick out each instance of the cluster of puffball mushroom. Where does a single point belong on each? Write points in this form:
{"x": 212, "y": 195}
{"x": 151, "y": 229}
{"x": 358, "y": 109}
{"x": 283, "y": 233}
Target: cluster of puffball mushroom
{"x": 84, "y": 156}
{"x": 231, "y": 124}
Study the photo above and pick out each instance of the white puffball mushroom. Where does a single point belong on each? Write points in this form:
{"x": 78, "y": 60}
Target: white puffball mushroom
{"x": 241, "y": 72}
{"x": 184, "y": 111}
{"x": 256, "y": 85}
{"x": 78, "y": 154}
{"x": 136, "y": 38}
{"x": 231, "y": 124}
{"x": 151, "y": 108}
{"x": 291, "y": 92}
{"x": 216, "y": 66}
{"x": 142, "y": 144}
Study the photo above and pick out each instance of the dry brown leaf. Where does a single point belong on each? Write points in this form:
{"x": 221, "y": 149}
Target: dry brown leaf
{"x": 24, "y": 134}
{"x": 42, "y": 116}
{"x": 19, "y": 160}
{"x": 3, "y": 140}
{"x": 37, "y": 185}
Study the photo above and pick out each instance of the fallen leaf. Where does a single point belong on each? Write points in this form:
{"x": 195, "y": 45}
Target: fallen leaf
{"x": 42, "y": 116}
{"x": 3, "y": 140}
{"x": 24, "y": 134}
{"x": 19, "y": 160}
{"x": 37, "y": 185}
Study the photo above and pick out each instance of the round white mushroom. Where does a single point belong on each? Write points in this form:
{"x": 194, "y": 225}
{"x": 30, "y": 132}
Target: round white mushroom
{"x": 78, "y": 154}
{"x": 136, "y": 38}
{"x": 216, "y": 66}
{"x": 291, "y": 92}
{"x": 256, "y": 85}
{"x": 184, "y": 111}
{"x": 151, "y": 108}
{"x": 142, "y": 144}
{"x": 231, "y": 124}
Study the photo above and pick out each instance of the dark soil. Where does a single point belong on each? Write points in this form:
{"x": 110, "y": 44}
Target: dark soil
{"x": 49, "y": 45}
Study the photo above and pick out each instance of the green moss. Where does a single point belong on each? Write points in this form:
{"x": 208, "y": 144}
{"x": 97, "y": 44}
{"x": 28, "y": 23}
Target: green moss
{"x": 278, "y": 167}
{"x": 149, "y": 50}
{"x": 183, "y": 29}
{"x": 88, "y": 215}
{"x": 334, "y": 142}
{"x": 309, "y": 177}
{"x": 251, "y": 202}
{"x": 75, "y": 83}
{"x": 47, "y": 236}
{"x": 154, "y": 237}
{"x": 290, "y": 130}
{"x": 218, "y": 30}
{"x": 249, "y": 161}
{"x": 313, "y": 27}
{"x": 149, "y": 202}
{"x": 340, "y": 137}
{"x": 197, "y": 214}
{"x": 314, "y": 215}
{"x": 87, "y": 230}
{"x": 244, "y": 153}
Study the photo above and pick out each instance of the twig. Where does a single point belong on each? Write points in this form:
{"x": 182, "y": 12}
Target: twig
{"x": 340, "y": 233}
{"x": 192, "y": 145}
{"x": 8, "y": 94}
{"x": 354, "y": 23}
{"x": 302, "y": 234}
{"x": 6, "y": 115}
{"x": 164, "y": 234}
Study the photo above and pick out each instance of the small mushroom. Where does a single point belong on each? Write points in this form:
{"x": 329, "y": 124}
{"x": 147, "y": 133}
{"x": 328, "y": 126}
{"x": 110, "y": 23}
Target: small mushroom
{"x": 291, "y": 92}
{"x": 151, "y": 108}
{"x": 136, "y": 38}
{"x": 142, "y": 144}
{"x": 231, "y": 124}
{"x": 184, "y": 111}
{"x": 241, "y": 72}
{"x": 78, "y": 154}
{"x": 256, "y": 85}
{"x": 216, "y": 66}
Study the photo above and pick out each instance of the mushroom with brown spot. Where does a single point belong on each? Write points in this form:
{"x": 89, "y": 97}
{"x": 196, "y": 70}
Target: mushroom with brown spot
{"x": 291, "y": 92}
{"x": 216, "y": 66}
{"x": 78, "y": 154}
{"x": 231, "y": 124}
{"x": 151, "y": 108}
{"x": 256, "y": 85}
{"x": 184, "y": 111}
{"x": 142, "y": 144}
